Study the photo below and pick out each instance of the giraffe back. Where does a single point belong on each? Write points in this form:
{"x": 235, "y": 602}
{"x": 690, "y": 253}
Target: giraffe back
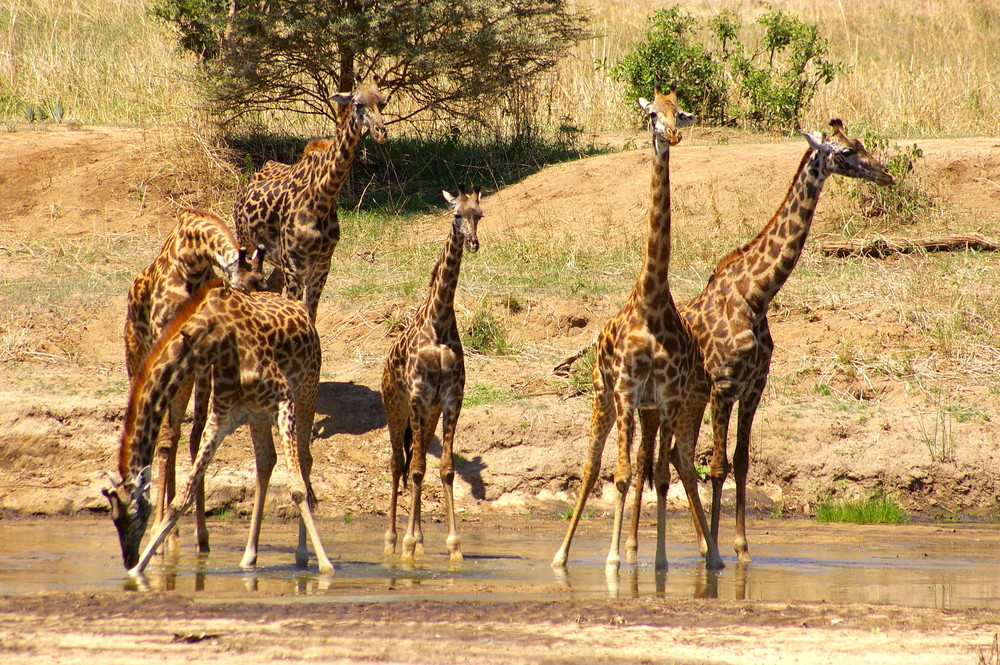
{"x": 198, "y": 245}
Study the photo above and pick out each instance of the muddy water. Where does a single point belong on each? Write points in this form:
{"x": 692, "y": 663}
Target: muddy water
{"x": 928, "y": 565}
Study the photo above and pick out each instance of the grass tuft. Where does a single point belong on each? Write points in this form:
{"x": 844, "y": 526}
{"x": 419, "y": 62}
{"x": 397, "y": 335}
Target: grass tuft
{"x": 876, "y": 509}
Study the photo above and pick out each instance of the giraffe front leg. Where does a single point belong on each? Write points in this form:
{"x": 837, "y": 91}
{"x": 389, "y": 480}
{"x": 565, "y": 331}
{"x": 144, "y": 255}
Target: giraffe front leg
{"x": 650, "y": 421}
{"x": 722, "y": 409}
{"x": 623, "y": 476}
{"x": 423, "y": 424}
{"x": 265, "y": 457}
{"x": 202, "y": 397}
{"x": 184, "y": 499}
{"x": 682, "y": 455}
{"x": 401, "y": 445}
{"x": 601, "y": 420}
{"x": 741, "y": 466}
{"x": 449, "y": 422}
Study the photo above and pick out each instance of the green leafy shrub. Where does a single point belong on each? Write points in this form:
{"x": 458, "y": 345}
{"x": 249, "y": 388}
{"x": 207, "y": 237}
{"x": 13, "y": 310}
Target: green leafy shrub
{"x": 900, "y": 204}
{"x": 672, "y": 51}
{"x": 773, "y": 78}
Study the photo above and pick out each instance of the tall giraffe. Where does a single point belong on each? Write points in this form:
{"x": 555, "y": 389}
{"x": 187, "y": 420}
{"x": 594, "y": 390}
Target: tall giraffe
{"x": 424, "y": 379}
{"x": 645, "y": 360}
{"x": 198, "y": 245}
{"x": 291, "y": 209}
{"x": 729, "y": 317}
{"x": 264, "y": 355}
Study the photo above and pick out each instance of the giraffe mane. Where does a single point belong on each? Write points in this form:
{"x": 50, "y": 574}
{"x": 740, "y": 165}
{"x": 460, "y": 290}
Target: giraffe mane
{"x": 215, "y": 219}
{"x": 184, "y": 314}
{"x": 738, "y": 253}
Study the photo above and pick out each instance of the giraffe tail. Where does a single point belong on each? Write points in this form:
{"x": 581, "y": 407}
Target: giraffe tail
{"x": 407, "y": 451}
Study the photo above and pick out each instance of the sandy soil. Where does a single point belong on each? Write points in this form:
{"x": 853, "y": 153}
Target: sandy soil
{"x": 56, "y": 444}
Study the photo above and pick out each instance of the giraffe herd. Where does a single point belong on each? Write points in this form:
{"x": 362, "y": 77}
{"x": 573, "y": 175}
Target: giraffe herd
{"x": 248, "y": 349}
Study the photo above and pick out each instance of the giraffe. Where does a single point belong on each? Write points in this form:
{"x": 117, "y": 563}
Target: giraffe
{"x": 729, "y": 318}
{"x": 198, "y": 244}
{"x": 264, "y": 355}
{"x": 424, "y": 379}
{"x": 644, "y": 361}
{"x": 291, "y": 209}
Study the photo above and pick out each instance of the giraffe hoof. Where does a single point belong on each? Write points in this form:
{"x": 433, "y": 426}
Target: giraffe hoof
{"x": 456, "y": 557}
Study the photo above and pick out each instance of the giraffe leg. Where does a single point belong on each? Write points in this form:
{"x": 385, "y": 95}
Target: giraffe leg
{"x": 202, "y": 397}
{"x": 741, "y": 465}
{"x": 722, "y": 409}
{"x": 166, "y": 453}
{"x": 398, "y": 417}
{"x": 423, "y": 433}
{"x": 661, "y": 483}
{"x": 650, "y": 421}
{"x": 689, "y": 427}
{"x": 314, "y": 290}
{"x": 214, "y": 434}
{"x": 623, "y": 473}
{"x": 304, "y": 440}
{"x": 601, "y": 420}
{"x": 449, "y": 421}
{"x": 265, "y": 456}
{"x": 682, "y": 457}
{"x": 291, "y": 431}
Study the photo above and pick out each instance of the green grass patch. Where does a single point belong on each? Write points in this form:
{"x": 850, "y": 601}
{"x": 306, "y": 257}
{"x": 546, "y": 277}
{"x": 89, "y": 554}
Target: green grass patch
{"x": 876, "y": 509}
{"x": 480, "y": 393}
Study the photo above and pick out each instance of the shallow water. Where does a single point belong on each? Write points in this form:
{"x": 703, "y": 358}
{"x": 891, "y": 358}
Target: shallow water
{"x": 951, "y": 566}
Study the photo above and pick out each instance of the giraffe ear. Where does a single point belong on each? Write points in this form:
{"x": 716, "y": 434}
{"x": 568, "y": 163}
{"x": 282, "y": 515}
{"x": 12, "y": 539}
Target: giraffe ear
{"x": 816, "y": 140}
{"x": 448, "y": 197}
{"x": 645, "y": 105}
{"x": 342, "y": 98}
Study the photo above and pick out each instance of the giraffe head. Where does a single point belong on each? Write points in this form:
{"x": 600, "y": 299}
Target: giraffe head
{"x": 367, "y": 102}
{"x": 247, "y": 275}
{"x": 467, "y": 215}
{"x": 665, "y": 118}
{"x": 130, "y": 509}
{"x": 847, "y": 156}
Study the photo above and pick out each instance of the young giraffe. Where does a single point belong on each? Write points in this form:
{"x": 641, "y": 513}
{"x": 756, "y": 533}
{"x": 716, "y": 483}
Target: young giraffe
{"x": 198, "y": 244}
{"x": 424, "y": 379}
{"x": 729, "y": 318}
{"x": 645, "y": 360}
{"x": 263, "y": 354}
{"x": 291, "y": 209}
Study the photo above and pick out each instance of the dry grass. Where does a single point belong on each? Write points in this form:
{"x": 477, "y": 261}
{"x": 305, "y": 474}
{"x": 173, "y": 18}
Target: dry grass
{"x": 917, "y": 68}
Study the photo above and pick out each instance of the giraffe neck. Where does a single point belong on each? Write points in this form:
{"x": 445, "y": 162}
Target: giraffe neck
{"x": 440, "y": 304}
{"x": 652, "y": 288}
{"x": 336, "y": 162}
{"x": 768, "y": 259}
{"x": 198, "y": 245}
{"x": 167, "y": 366}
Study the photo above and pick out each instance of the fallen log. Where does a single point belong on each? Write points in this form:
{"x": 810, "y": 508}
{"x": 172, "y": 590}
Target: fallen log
{"x": 882, "y": 247}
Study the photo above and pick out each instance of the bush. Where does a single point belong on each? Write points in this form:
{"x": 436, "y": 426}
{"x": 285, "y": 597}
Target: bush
{"x": 899, "y": 205}
{"x": 773, "y": 78}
